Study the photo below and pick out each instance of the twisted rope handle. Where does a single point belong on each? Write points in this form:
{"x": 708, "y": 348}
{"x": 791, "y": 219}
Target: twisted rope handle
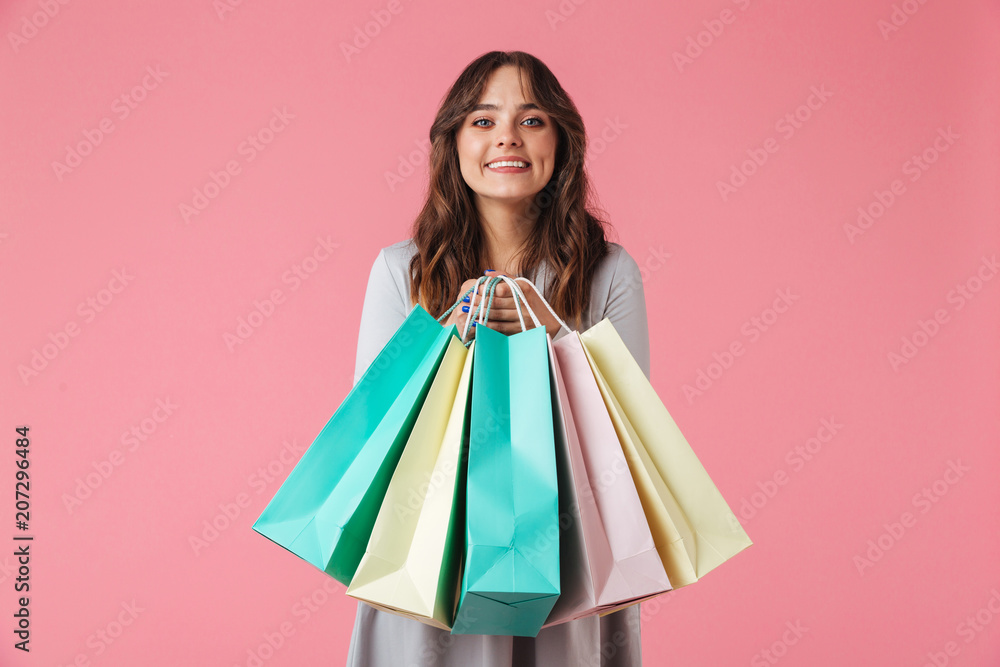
{"x": 472, "y": 313}
{"x": 480, "y": 313}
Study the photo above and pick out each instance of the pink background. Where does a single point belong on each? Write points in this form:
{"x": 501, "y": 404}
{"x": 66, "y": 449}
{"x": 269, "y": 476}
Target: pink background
{"x": 712, "y": 264}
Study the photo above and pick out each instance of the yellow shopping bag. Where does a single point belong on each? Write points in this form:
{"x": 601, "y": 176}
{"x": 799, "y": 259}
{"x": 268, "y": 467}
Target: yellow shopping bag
{"x": 693, "y": 527}
{"x": 411, "y": 564}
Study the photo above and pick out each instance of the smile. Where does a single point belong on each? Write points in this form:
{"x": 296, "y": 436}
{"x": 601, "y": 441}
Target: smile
{"x": 509, "y": 166}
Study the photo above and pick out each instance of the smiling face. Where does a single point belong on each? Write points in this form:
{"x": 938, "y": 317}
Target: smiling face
{"x": 506, "y": 125}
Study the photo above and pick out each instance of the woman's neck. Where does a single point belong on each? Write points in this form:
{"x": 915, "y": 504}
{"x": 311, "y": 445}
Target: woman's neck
{"x": 506, "y": 229}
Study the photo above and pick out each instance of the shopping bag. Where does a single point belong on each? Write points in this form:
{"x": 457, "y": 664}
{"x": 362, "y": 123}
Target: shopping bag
{"x": 411, "y": 564}
{"x": 512, "y": 489}
{"x": 608, "y": 557}
{"x": 324, "y": 510}
{"x": 693, "y": 527}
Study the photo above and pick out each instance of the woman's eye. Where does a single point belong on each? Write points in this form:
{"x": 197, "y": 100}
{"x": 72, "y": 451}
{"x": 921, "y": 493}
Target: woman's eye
{"x": 487, "y": 120}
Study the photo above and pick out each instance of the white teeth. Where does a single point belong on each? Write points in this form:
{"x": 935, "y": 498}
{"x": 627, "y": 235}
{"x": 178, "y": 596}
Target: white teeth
{"x": 507, "y": 164}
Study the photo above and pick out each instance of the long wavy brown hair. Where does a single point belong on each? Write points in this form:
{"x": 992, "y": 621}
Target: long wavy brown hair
{"x": 448, "y": 232}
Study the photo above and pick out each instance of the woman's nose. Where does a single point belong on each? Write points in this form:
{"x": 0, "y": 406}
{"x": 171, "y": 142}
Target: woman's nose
{"x": 508, "y": 137}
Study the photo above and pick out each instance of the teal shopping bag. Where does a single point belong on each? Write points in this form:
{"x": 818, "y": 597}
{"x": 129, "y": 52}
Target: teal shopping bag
{"x": 512, "y": 507}
{"x": 325, "y": 509}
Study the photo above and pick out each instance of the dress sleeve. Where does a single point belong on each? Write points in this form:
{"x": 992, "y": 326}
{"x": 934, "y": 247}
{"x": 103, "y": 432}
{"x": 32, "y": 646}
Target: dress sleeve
{"x": 627, "y": 309}
{"x": 382, "y": 314}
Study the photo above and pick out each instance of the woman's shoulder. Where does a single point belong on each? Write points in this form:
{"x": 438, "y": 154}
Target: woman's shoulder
{"x": 617, "y": 262}
{"x": 615, "y": 252}
{"x": 399, "y": 253}
{"x": 391, "y": 266}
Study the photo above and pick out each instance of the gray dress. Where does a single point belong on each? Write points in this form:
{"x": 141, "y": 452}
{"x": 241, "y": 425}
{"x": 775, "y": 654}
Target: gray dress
{"x": 381, "y": 639}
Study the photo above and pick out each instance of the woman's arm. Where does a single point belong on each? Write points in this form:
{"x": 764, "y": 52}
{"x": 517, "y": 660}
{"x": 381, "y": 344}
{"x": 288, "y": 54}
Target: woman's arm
{"x": 627, "y": 309}
{"x": 382, "y": 313}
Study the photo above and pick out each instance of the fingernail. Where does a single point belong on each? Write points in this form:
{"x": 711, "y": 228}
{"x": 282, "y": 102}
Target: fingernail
{"x": 465, "y": 309}
{"x": 475, "y": 323}
{"x": 487, "y": 270}
{"x": 466, "y": 299}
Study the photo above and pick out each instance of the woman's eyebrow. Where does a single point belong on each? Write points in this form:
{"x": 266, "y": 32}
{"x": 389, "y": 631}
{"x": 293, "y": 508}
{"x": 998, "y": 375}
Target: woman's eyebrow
{"x": 494, "y": 107}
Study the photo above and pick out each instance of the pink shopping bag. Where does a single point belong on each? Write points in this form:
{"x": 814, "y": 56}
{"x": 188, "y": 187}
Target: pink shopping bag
{"x": 609, "y": 559}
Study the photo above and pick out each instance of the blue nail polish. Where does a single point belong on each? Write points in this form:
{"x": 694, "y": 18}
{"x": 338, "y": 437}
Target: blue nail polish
{"x": 487, "y": 271}
{"x": 465, "y": 309}
{"x": 466, "y": 299}
{"x": 475, "y": 323}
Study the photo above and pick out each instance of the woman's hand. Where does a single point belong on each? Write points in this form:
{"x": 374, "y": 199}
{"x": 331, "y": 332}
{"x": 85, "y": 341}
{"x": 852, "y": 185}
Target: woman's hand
{"x": 459, "y": 316}
{"x": 503, "y": 313}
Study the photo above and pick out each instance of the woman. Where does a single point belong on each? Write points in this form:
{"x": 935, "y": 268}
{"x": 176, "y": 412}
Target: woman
{"x": 508, "y": 196}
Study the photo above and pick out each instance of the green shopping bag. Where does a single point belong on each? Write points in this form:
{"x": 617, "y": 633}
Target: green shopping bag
{"x": 512, "y": 505}
{"x": 325, "y": 509}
